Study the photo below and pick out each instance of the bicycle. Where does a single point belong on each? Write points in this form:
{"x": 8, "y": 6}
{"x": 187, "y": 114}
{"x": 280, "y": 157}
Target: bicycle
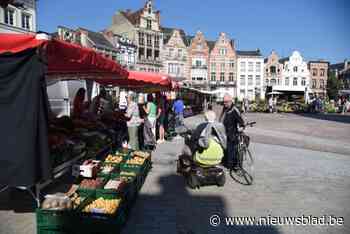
{"x": 245, "y": 159}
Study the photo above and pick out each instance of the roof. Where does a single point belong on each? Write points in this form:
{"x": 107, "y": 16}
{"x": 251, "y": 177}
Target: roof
{"x": 98, "y": 38}
{"x": 168, "y": 32}
{"x": 337, "y": 66}
{"x": 283, "y": 60}
{"x": 248, "y": 52}
{"x": 133, "y": 17}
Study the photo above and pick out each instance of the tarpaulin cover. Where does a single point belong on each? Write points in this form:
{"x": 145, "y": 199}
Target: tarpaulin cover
{"x": 65, "y": 59}
{"x": 24, "y": 149}
{"x": 141, "y": 80}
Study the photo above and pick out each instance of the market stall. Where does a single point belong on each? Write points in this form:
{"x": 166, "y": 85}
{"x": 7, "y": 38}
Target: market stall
{"x": 26, "y": 62}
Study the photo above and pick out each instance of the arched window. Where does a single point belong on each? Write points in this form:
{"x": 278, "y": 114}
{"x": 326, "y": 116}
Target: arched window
{"x": 295, "y": 81}
{"x": 295, "y": 69}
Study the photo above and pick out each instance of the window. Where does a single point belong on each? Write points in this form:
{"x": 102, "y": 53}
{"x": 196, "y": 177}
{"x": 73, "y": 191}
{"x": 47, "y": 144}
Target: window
{"x": 242, "y": 66}
{"x": 9, "y": 16}
{"x": 198, "y": 63}
{"x": 179, "y": 52}
{"x": 250, "y": 80}
{"x": 26, "y": 21}
{"x": 213, "y": 66}
{"x": 273, "y": 82}
{"x": 250, "y": 66}
{"x": 156, "y": 54}
{"x": 149, "y": 53}
{"x": 171, "y": 52}
{"x": 314, "y": 71}
{"x": 230, "y": 76}
{"x": 156, "y": 41}
{"x": 149, "y": 24}
{"x": 258, "y": 66}
{"x": 257, "y": 80}
{"x": 278, "y": 81}
{"x": 313, "y": 83}
{"x": 273, "y": 69}
{"x": 232, "y": 64}
{"x": 321, "y": 84}
{"x": 222, "y": 66}
{"x": 141, "y": 38}
{"x": 242, "y": 80}
{"x": 287, "y": 81}
{"x": 267, "y": 81}
{"x": 322, "y": 71}
{"x": 242, "y": 92}
{"x": 295, "y": 81}
{"x": 295, "y": 69}
{"x": 213, "y": 76}
{"x": 303, "y": 81}
{"x": 141, "y": 52}
{"x": 149, "y": 40}
{"x": 222, "y": 76}
{"x": 223, "y": 51}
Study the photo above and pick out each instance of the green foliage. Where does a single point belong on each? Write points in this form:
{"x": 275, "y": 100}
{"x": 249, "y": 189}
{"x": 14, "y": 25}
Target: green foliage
{"x": 333, "y": 85}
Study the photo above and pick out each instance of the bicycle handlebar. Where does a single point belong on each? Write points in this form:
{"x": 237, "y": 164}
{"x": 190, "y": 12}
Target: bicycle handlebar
{"x": 251, "y": 124}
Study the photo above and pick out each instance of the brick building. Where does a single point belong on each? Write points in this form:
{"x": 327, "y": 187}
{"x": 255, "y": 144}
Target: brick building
{"x": 318, "y": 77}
{"x": 222, "y": 66}
{"x": 198, "y": 60}
{"x": 143, "y": 28}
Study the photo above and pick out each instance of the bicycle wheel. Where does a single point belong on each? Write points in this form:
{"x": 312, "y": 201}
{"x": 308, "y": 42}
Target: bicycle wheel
{"x": 244, "y": 175}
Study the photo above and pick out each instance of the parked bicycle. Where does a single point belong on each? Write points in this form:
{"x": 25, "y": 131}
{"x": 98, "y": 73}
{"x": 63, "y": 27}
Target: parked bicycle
{"x": 245, "y": 173}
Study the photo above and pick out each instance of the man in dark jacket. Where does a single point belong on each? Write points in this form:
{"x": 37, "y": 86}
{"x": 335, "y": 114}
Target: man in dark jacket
{"x": 231, "y": 118}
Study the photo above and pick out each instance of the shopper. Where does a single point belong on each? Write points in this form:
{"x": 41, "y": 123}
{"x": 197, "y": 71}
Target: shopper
{"x": 161, "y": 118}
{"x": 79, "y": 107}
{"x": 133, "y": 123}
{"x": 151, "y": 111}
{"x": 143, "y": 116}
{"x": 271, "y": 104}
{"x": 178, "y": 108}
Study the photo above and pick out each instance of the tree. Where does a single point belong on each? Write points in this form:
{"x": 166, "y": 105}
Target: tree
{"x": 333, "y": 85}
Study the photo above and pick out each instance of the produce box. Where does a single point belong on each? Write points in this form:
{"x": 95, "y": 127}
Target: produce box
{"x": 88, "y": 191}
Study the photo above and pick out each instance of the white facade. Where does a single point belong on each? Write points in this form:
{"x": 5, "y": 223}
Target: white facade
{"x": 199, "y": 71}
{"x": 18, "y": 20}
{"x": 295, "y": 75}
{"x": 250, "y": 77}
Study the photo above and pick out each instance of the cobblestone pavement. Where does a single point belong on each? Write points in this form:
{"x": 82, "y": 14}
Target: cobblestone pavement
{"x": 289, "y": 181}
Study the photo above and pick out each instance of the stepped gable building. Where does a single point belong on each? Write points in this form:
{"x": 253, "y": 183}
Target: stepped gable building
{"x": 175, "y": 54}
{"x": 198, "y": 60}
{"x": 222, "y": 66}
{"x": 143, "y": 28}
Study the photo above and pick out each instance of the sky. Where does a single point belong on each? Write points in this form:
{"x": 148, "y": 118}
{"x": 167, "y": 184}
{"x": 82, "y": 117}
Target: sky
{"x": 319, "y": 29}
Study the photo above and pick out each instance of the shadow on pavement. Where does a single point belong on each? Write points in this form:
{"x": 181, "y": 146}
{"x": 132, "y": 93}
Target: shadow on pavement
{"x": 329, "y": 117}
{"x": 176, "y": 210}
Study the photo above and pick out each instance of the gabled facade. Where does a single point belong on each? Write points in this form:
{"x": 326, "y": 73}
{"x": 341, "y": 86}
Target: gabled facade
{"x": 143, "y": 28}
{"x": 175, "y": 53}
{"x": 342, "y": 72}
{"x": 250, "y": 75}
{"x": 198, "y": 61}
{"x": 222, "y": 66}
{"x": 295, "y": 75}
{"x": 18, "y": 17}
{"x": 273, "y": 70}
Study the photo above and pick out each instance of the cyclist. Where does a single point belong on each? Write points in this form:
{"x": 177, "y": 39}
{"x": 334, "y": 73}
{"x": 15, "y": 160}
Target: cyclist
{"x": 231, "y": 118}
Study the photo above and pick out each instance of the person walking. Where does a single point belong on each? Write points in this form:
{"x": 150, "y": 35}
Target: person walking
{"x": 151, "y": 111}
{"x": 231, "y": 118}
{"x": 178, "y": 108}
{"x": 161, "y": 118}
{"x": 270, "y": 104}
{"x": 143, "y": 116}
{"x": 133, "y": 123}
